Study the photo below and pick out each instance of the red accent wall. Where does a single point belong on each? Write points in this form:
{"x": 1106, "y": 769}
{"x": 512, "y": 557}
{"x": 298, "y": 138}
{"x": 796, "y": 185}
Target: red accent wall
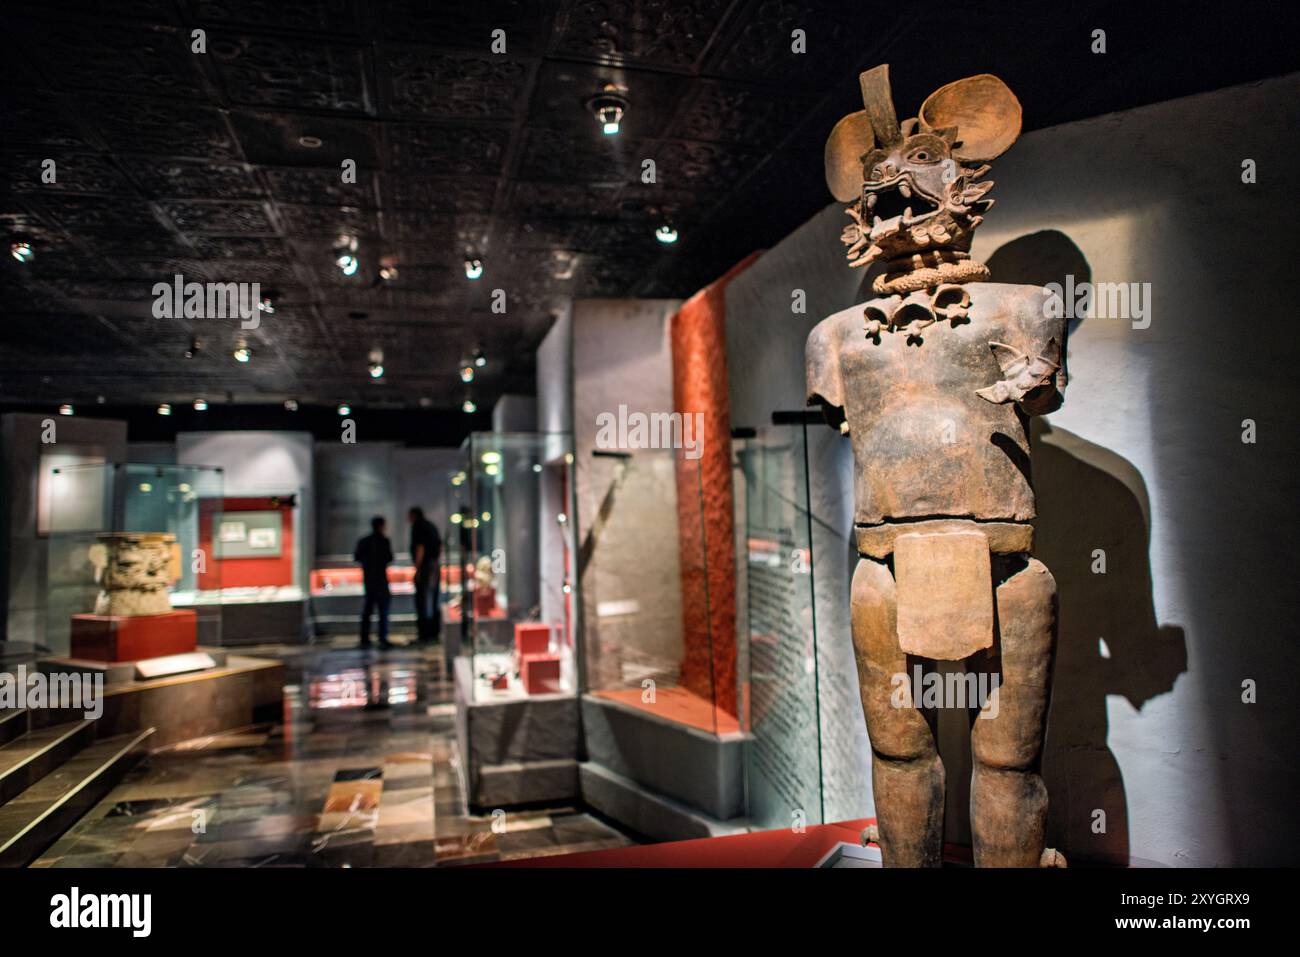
{"x": 246, "y": 572}
{"x": 705, "y": 516}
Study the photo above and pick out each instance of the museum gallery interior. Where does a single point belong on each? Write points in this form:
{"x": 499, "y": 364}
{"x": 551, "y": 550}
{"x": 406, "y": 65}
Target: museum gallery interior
{"x": 580, "y": 433}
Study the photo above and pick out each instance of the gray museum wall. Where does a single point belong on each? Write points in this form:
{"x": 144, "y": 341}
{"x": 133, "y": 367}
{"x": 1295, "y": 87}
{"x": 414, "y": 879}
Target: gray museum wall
{"x": 23, "y": 560}
{"x": 622, "y": 356}
{"x": 1146, "y": 461}
{"x": 423, "y": 478}
{"x": 356, "y": 482}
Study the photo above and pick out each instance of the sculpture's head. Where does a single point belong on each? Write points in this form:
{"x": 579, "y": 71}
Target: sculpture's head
{"x": 913, "y": 186}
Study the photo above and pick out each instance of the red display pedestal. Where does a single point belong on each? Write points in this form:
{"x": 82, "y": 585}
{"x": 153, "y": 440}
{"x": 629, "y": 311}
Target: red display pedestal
{"x": 531, "y": 639}
{"x": 133, "y": 637}
{"x": 541, "y": 674}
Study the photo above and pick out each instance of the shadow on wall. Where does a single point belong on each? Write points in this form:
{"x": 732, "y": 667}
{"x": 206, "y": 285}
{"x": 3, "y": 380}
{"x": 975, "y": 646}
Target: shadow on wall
{"x": 1092, "y": 508}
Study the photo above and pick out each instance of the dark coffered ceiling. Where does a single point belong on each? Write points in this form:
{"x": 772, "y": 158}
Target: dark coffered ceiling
{"x": 174, "y": 162}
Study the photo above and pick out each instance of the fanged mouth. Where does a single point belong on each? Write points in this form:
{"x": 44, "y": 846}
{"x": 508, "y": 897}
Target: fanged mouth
{"x": 893, "y": 207}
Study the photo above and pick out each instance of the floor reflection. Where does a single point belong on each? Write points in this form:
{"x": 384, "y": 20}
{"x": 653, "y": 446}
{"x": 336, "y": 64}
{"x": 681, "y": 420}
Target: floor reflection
{"x": 363, "y": 771}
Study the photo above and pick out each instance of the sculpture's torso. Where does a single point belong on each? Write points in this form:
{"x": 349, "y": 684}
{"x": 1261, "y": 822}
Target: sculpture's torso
{"x": 925, "y": 444}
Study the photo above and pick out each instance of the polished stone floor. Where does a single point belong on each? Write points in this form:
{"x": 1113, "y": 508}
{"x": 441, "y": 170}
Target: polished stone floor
{"x": 363, "y": 771}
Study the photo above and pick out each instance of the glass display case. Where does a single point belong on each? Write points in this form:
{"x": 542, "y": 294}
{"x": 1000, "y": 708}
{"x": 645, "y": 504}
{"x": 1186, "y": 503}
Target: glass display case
{"x": 778, "y": 617}
{"x": 509, "y": 560}
{"x": 134, "y": 568}
{"x": 651, "y": 635}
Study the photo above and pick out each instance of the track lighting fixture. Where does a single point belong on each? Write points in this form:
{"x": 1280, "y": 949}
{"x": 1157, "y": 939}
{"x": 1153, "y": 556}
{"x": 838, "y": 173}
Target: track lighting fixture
{"x": 473, "y": 268}
{"x": 608, "y": 106}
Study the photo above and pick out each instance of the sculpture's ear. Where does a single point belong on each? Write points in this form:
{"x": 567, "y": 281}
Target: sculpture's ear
{"x": 984, "y": 110}
{"x": 845, "y": 147}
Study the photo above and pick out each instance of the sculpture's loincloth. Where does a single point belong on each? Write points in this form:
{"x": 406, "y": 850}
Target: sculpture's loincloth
{"x": 944, "y": 580}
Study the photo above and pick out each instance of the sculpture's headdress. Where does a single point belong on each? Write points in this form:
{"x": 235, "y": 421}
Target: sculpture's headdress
{"x": 915, "y": 199}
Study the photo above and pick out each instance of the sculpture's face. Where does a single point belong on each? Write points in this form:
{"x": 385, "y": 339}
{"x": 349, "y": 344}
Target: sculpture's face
{"x": 913, "y": 186}
{"x": 915, "y": 198}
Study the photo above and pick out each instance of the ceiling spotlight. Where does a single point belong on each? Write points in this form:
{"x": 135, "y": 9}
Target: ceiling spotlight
{"x": 376, "y": 370}
{"x": 344, "y": 409}
{"x": 480, "y": 360}
{"x": 426, "y": 402}
{"x": 164, "y": 409}
{"x": 241, "y": 352}
{"x": 200, "y": 405}
{"x": 537, "y": 467}
{"x": 310, "y": 142}
{"x": 387, "y": 273}
{"x": 473, "y": 268}
{"x": 267, "y": 305}
{"x": 291, "y": 405}
{"x": 345, "y": 255}
{"x": 608, "y": 107}
{"x": 666, "y": 234}
{"x": 22, "y": 252}
{"x": 466, "y": 370}
{"x": 195, "y": 347}
{"x": 490, "y": 458}
{"x": 65, "y": 409}
{"x": 468, "y": 406}
{"x": 100, "y": 400}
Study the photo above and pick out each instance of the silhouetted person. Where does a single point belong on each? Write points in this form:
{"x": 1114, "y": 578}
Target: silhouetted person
{"x": 374, "y": 552}
{"x": 426, "y": 545}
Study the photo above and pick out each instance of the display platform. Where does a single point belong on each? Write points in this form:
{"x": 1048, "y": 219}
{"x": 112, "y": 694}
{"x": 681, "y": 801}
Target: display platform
{"x": 649, "y": 770}
{"x": 819, "y": 845}
{"x": 238, "y": 692}
{"x": 518, "y": 748}
{"x": 267, "y": 615}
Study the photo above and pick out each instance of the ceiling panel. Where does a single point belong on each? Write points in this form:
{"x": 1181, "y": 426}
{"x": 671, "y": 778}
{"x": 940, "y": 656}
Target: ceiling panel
{"x": 227, "y": 165}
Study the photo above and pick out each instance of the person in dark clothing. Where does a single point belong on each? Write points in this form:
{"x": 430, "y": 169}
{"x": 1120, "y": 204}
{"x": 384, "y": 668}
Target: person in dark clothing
{"x": 374, "y": 552}
{"x": 426, "y": 545}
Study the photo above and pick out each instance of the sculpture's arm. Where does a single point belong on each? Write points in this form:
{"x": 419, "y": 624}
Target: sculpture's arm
{"x": 1032, "y": 365}
{"x": 825, "y": 387}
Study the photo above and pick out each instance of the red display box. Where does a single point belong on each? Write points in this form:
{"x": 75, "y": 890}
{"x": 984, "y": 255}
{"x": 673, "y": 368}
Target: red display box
{"x": 541, "y": 674}
{"x": 531, "y": 639}
{"x": 134, "y": 637}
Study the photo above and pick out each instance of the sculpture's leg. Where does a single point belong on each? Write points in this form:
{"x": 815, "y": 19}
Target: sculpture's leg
{"x": 1008, "y": 798}
{"x": 906, "y": 773}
